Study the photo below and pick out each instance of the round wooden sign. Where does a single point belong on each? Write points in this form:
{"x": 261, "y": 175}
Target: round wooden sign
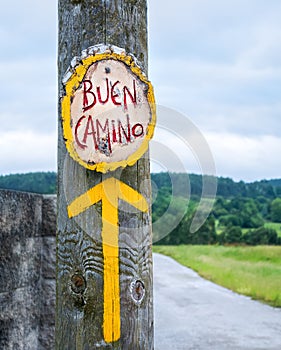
{"x": 108, "y": 111}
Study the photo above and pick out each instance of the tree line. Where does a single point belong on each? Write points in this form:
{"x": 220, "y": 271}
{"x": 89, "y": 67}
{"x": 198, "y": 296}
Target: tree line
{"x": 36, "y": 182}
{"x": 243, "y": 213}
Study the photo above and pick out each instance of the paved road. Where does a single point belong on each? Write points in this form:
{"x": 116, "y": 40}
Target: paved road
{"x": 194, "y": 314}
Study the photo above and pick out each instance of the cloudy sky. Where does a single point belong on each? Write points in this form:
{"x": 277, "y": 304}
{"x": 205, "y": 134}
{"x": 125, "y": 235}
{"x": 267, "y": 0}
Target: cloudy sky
{"x": 216, "y": 62}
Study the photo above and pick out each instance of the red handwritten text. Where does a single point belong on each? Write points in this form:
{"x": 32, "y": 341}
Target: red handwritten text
{"x": 102, "y": 135}
{"x": 111, "y": 92}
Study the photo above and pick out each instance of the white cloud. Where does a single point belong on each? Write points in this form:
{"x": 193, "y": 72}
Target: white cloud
{"x": 222, "y": 97}
{"x": 28, "y": 28}
{"x": 264, "y": 53}
{"x": 27, "y": 151}
{"x": 28, "y": 66}
{"x": 241, "y": 157}
{"x": 254, "y": 157}
{"x": 206, "y": 29}
{"x": 237, "y": 89}
{"x": 28, "y": 99}
{"x": 219, "y": 62}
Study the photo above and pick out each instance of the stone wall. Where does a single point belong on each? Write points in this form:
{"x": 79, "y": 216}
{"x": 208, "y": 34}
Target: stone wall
{"x": 27, "y": 271}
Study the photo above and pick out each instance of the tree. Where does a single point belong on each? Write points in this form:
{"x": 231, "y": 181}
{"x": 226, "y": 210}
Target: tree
{"x": 250, "y": 215}
{"x": 206, "y": 234}
{"x": 231, "y": 235}
{"x": 261, "y": 235}
{"x": 275, "y": 210}
{"x": 230, "y": 220}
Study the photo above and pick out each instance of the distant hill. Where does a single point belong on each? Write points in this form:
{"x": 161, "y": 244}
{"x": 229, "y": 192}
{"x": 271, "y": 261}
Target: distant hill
{"x": 45, "y": 183}
{"x": 273, "y": 182}
{"x": 226, "y": 186}
{"x": 40, "y": 182}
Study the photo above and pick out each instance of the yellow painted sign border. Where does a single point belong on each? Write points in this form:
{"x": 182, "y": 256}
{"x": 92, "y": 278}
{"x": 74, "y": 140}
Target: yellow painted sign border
{"x": 73, "y": 84}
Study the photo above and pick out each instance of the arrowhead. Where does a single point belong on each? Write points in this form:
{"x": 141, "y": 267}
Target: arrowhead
{"x": 111, "y": 190}
{"x": 131, "y": 196}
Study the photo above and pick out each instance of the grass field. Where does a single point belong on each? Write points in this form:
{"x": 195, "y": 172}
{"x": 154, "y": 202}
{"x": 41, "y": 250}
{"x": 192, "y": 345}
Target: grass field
{"x": 252, "y": 271}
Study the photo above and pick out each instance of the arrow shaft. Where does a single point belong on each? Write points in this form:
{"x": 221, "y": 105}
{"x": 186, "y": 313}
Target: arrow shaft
{"x": 111, "y": 293}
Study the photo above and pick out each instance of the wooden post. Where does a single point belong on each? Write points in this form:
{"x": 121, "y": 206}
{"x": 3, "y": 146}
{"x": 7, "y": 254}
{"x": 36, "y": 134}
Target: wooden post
{"x": 94, "y": 309}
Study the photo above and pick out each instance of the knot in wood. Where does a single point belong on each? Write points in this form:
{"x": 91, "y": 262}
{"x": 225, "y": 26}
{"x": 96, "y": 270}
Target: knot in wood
{"x": 137, "y": 291}
{"x": 78, "y": 283}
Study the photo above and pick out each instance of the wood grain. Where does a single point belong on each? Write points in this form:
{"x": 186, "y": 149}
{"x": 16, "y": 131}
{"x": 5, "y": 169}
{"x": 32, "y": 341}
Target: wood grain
{"x": 79, "y": 309}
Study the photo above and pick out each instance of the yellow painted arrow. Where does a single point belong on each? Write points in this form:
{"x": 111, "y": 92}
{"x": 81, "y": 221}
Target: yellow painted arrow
{"x": 109, "y": 192}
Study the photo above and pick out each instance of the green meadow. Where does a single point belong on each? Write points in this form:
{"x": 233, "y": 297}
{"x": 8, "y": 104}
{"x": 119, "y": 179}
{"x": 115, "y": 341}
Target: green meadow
{"x": 252, "y": 271}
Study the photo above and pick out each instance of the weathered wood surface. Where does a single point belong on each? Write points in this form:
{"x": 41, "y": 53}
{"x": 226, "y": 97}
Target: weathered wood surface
{"x": 79, "y": 309}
